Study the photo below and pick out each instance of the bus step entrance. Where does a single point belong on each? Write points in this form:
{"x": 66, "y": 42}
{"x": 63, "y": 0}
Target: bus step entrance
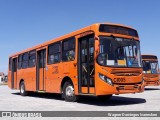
{"x": 41, "y": 91}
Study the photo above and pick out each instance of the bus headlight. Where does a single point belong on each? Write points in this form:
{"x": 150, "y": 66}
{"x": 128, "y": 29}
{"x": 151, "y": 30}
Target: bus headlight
{"x": 106, "y": 79}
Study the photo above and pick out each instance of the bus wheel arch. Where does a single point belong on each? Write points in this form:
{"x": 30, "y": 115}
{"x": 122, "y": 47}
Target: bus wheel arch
{"x": 67, "y": 90}
{"x": 20, "y": 82}
{"x": 65, "y": 79}
{"x": 22, "y": 88}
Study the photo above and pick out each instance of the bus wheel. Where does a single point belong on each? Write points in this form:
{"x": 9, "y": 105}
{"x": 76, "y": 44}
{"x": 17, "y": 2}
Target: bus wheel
{"x": 23, "y": 91}
{"x": 68, "y": 92}
{"x": 105, "y": 97}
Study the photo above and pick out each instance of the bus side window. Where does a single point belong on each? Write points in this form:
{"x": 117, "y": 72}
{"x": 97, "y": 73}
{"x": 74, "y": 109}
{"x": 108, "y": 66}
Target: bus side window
{"x": 32, "y": 58}
{"x": 51, "y": 59}
{"x": 54, "y": 53}
{"x": 68, "y": 49}
{"x": 25, "y": 60}
{"x": 19, "y": 61}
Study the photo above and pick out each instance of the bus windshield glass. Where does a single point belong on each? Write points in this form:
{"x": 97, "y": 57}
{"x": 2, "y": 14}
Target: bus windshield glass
{"x": 150, "y": 67}
{"x": 119, "y": 52}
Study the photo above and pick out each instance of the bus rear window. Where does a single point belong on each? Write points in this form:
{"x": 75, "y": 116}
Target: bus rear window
{"x": 118, "y": 30}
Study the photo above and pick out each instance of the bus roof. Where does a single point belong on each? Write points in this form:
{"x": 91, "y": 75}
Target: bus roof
{"x": 77, "y": 32}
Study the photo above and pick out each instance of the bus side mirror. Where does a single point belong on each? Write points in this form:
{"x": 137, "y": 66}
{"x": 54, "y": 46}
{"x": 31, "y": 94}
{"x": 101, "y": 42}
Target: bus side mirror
{"x": 96, "y": 44}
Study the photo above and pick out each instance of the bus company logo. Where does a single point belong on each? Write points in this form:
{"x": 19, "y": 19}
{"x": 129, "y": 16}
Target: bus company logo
{"x": 6, "y": 114}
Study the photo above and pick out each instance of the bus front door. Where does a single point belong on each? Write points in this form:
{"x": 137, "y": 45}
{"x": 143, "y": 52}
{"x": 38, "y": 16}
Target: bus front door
{"x": 40, "y": 70}
{"x": 14, "y": 74}
{"x": 86, "y": 65}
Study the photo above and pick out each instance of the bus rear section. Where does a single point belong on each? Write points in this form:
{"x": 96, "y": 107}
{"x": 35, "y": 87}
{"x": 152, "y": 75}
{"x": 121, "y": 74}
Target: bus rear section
{"x": 150, "y": 70}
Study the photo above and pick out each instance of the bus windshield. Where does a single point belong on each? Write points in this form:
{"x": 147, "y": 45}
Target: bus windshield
{"x": 150, "y": 67}
{"x": 119, "y": 52}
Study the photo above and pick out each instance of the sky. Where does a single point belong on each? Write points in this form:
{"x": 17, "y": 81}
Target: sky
{"x": 26, "y": 23}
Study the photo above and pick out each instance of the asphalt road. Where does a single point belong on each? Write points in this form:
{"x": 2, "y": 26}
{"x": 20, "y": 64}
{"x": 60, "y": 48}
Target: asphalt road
{"x": 11, "y": 100}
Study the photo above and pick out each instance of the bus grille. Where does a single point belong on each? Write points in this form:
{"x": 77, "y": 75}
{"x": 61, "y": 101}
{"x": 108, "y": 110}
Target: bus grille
{"x": 125, "y": 73}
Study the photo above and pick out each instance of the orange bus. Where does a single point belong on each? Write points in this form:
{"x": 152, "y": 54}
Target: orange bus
{"x": 100, "y": 60}
{"x": 150, "y": 70}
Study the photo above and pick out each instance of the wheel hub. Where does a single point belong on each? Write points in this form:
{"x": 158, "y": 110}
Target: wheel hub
{"x": 70, "y": 91}
{"x": 22, "y": 88}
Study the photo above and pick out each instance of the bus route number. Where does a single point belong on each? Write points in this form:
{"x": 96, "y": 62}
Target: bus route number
{"x": 119, "y": 80}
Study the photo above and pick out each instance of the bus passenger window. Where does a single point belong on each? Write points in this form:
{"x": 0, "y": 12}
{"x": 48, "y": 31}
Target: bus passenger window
{"x": 25, "y": 60}
{"x": 54, "y": 53}
{"x": 51, "y": 58}
{"x": 70, "y": 55}
{"x": 32, "y": 59}
{"x": 68, "y": 50}
{"x": 19, "y": 61}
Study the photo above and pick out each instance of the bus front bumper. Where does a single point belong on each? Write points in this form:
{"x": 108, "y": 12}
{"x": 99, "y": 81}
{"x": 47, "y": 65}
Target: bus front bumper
{"x": 152, "y": 83}
{"x": 120, "y": 89}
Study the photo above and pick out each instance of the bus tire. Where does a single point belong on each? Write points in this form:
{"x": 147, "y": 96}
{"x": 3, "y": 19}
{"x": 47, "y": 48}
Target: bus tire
{"x": 23, "y": 91}
{"x": 68, "y": 92}
{"x": 104, "y": 97}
